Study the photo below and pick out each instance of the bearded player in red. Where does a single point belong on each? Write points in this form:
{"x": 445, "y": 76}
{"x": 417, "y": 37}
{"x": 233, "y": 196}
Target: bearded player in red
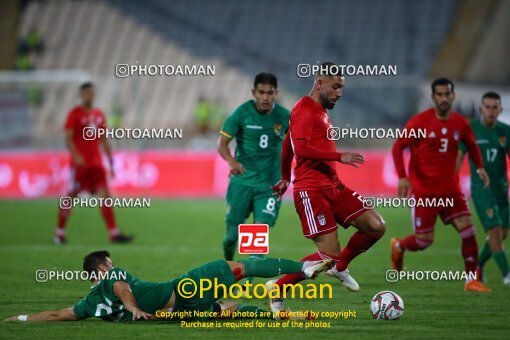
{"x": 432, "y": 175}
{"x": 88, "y": 172}
{"x": 322, "y": 201}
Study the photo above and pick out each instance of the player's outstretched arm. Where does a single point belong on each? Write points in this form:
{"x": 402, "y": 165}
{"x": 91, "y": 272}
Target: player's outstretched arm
{"x": 50, "y": 315}
{"x": 303, "y": 149}
{"x": 123, "y": 292}
{"x": 352, "y": 158}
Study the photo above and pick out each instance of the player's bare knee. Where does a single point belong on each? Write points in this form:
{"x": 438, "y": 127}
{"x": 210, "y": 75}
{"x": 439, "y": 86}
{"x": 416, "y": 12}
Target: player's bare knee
{"x": 327, "y": 245}
{"x": 377, "y": 224}
{"x": 462, "y": 223}
{"x": 379, "y": 227}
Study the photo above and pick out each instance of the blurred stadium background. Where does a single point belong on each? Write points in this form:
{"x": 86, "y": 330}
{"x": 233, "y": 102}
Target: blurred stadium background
{"x": 49, "y": 47}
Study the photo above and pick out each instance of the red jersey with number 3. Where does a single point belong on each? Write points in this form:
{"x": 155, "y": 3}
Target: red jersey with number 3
{"x": 310, "y": 121}
{"x": 432, "y": 167}
{"x": 77, "y": 120}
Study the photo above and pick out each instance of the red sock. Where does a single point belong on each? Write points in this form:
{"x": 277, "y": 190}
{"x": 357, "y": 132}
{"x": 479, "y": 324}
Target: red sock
{"x": 109, "y": 218}
{"x": 410, "y": 243}
{"x": 295, "y": 278}
{"x": 63, "y": 215}
{"x": 469, "y": 249}
{"x": 358, "y": 243}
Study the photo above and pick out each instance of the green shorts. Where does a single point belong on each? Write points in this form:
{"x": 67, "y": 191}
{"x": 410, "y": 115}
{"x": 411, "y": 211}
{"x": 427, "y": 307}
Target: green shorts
{"x": 243, "y": 200}
{"x": 219, "y": 270}
{"x": 492, "y": 212}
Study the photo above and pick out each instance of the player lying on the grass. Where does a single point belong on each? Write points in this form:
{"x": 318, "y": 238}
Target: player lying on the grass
{"x": 119, "y": 296}
{"x": 491, "y": 204}
{"x": 433, "y": 175}
{"x": 321, "y": 199}
{"x": 87, "y": 169}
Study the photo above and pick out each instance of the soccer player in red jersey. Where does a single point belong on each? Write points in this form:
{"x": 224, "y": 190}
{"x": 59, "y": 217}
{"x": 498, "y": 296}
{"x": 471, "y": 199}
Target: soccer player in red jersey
{"x": 88, "y": 172}
{"x": 322, "y": 201}
{"x": 432, "y": 174}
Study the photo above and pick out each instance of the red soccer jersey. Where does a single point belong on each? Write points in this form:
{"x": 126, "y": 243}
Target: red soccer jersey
{"x": 309, "y": 121}
{"x": 77, "y": 120}
{"x": 432, "y": 168}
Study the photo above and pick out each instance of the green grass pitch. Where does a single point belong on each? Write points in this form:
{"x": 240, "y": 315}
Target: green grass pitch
{"x": 173, "y": 236}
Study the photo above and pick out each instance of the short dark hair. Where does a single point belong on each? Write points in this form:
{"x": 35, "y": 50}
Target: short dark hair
{"x": 265, "y": 78}
{"x": 87, "y": 85}
{"x": 442, "y": 82}
{"x": 329, "y": 69}
{"x": 491, "y": 95}
{"x": 92, "y": 261}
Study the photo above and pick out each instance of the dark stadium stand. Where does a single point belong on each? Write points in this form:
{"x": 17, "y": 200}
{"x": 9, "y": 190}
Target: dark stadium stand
{"x": 405, "y": 33}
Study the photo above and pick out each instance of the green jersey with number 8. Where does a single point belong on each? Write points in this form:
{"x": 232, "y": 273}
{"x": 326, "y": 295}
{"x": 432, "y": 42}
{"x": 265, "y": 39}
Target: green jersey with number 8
{"x": 258, "y": 142}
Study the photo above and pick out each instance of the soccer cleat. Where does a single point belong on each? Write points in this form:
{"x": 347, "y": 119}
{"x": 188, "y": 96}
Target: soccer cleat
{"x": 312, "y": 268}
{"x": 397, "y": 255}
{"x": 344, "y": 277}
{"x": 121, "y": 238}
{"x": 59, "y": 239}
{"x": 476, "y": 286}
{"x": 275, "y": 304}
{"x": 506, "y": 279}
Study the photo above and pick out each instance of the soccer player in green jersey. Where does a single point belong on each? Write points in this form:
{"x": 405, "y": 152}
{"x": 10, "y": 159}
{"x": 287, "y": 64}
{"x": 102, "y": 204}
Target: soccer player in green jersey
{"x": 118, "y": 296}
{"x": 258, "y": 126}
{"x": 493, "y": 139}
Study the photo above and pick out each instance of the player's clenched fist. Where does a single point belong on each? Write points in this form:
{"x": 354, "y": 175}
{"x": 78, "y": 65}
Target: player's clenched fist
{"x": 351, "y": 158}
{"x": 236, "y": 168}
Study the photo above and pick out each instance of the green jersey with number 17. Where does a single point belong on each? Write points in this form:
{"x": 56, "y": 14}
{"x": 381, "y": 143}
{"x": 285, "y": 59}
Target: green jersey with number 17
{"x": 258, "y": 142}
{"x": 494, "y": 144}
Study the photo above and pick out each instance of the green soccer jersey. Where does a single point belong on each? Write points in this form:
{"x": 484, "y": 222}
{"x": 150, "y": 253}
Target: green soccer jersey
{"x": 494, "y": 144}
{"x": 103, "y": 303}
{"x": 259, "y": 142}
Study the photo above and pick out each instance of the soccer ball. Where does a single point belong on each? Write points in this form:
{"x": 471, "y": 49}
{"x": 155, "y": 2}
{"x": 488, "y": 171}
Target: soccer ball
{"x": 387, "y": 305}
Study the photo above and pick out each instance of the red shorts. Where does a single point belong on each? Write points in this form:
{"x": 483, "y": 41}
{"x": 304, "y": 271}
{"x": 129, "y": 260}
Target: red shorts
{"x": 448, "y": 207}
{"x": 321, "y": 211}
{"x": 89, "y": 179}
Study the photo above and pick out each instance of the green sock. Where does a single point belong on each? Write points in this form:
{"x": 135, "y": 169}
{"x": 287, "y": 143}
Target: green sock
{"x": 255, "y": 257}
{"x": 485, "y": 254}
{"x": 271, "y": 267}
{"x": 501, "y": 261}
{"x": 254, "y": 309}
{"x": 230, "y": 241}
